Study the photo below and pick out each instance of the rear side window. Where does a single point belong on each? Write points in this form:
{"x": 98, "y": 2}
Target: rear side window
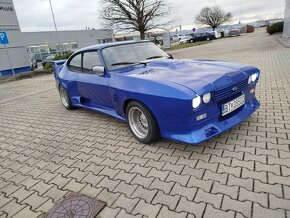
{"x": 90, "y": 60}
{"x": 76, "y": 63}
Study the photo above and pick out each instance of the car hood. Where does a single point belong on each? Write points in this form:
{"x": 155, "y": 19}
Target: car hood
{"x": 198, "y": 75}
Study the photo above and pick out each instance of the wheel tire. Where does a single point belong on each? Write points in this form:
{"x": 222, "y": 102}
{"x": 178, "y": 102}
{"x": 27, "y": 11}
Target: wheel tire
{"x": 208, "y": 39}
{"x": 190, "y": 41}
{"x": 153, "y": 133}
{"x": 64, "y": 98}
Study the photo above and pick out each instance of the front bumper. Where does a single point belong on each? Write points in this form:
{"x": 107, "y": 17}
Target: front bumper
{"x": 216, "y": 126}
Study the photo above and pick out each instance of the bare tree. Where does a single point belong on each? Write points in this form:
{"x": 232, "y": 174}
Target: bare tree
{"x": 213, "y": 16}
{"x": 135, "y": 15}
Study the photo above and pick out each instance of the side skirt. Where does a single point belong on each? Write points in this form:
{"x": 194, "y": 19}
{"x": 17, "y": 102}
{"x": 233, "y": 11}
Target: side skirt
{"x": 102, "y": 109}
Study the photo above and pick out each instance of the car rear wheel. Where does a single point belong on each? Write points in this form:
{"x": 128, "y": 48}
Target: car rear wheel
{"x": 65, "y": 100}
{"x": 142, "y": 123}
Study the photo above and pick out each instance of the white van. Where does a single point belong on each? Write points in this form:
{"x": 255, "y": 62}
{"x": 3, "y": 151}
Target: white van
{"x": 216, "y": 34}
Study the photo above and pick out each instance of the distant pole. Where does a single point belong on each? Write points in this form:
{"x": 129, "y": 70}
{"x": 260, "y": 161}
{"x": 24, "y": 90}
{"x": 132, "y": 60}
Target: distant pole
{"x": 240, "y": 15}
{"x": 57, "y": 37}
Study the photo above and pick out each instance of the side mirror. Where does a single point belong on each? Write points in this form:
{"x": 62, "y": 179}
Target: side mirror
{"x": 170, "y": 55}
{"x": 99, "y": 70}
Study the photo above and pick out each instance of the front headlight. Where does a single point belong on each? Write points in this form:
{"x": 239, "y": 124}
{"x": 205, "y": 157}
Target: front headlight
{"x": 250, "y": 80}
{"x": 196, "y": 102}
{"x": 254, "y": 77}
{"x": 206, "y": 98}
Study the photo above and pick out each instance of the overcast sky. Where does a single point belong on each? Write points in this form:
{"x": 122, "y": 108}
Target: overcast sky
{"x": 35, "y": 15}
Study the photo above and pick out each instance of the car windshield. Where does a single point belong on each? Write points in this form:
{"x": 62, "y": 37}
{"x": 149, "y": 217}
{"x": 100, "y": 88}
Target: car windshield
{"x": 131, "y": 54}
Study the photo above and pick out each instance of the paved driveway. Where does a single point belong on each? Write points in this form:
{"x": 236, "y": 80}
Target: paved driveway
{"x": 46, "y": 151}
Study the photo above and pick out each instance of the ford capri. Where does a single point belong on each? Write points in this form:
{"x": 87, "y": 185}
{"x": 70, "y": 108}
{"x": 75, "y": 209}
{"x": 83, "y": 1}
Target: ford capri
{"x": 189, "y": 101}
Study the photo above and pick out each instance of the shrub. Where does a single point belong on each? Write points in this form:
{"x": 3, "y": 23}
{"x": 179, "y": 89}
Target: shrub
{"x": 64, "y": 56}
{"x": 48, "y": 66}
{"x": 275, "y": 28}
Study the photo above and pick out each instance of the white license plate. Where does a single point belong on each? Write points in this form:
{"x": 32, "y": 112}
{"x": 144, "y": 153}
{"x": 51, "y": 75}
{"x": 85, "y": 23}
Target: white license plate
{"x": 233, "y": 105}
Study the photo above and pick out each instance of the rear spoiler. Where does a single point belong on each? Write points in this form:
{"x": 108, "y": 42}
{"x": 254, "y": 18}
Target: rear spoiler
{"x": 57, "y": 65}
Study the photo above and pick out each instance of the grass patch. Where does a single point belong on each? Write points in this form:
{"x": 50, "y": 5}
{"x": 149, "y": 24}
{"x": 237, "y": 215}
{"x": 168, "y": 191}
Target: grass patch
{"x": 187, "y": 45}
{"x": 10, "y": 78}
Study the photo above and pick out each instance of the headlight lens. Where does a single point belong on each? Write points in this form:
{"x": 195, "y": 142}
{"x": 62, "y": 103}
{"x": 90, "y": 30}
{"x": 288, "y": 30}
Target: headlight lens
{"x": 254, "y": 77}
{"x": 250, "y": 80}
{"x": 206, "y": 98}
{"x": 196, "y": 102}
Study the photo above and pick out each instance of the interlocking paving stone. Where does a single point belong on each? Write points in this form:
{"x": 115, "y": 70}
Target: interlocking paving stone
{"x": 278, "y": 203}
{"x": 191, "y": 207}
{"x": 160, "y": 185}
{"x": 125, "y": 188}
{"x": 108, "y": 197}
{"x": 261, "y": 212}
{"x": 165, "y": 213}
{"x": 4, "y": 200}
{"x": 145, "y": 194}
{"x": 46, "y": 151}
{"x": 12, "y": 208}
{"x": 124, "y": 214}
{"x": 55, "y": 193}
{"x": 189, "y": 193}
{"x": 145, "y": 209}
{"x": 243, "y": 207}
{"x": 141, "y": 180}
{"x": 27, "y": 212}
{"x": 182, "y": 179}
{"x": 109, "y": 212}
{"x": 164, "y": 199}
{"x": 213, "y": 199}
{"x": 213, "y": 212}
{"x": 124, "y": 202}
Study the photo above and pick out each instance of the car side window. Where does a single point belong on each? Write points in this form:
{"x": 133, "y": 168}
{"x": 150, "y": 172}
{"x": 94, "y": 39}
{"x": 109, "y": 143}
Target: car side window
{"x": 76, "y": 63}
{"x": 90, "y": 60}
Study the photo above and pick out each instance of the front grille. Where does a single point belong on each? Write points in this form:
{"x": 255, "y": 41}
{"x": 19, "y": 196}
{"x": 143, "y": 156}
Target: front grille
{"x": 227, "y": 92}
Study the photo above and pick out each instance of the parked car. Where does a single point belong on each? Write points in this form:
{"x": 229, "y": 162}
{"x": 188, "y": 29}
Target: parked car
{"x": 33, "y": 64}
{"x": 216, "y": 34}
{"x": 201, "y": 37}
{"x": 48, "y": 59}
{"x": 234, "y": 32}
{"x": 184, "y": 39}
{"x": 136, "y": 82}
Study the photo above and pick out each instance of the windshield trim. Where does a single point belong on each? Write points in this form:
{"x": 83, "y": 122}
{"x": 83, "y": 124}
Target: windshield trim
{"x": 129, "y": 43}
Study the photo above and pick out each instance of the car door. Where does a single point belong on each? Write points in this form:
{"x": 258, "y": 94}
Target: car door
{"x": 93, "y": 87}
{"x": 69, "y": 75}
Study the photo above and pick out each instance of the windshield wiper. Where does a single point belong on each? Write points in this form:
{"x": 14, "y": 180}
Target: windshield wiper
{"x": 155, "y": 57}
{"x": 127, "y": 63}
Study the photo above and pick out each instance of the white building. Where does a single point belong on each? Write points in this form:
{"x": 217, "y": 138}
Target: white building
{"x": 286, "y": 31}
{"x": 42, "y": 44}
{"x": 13, "y": 56}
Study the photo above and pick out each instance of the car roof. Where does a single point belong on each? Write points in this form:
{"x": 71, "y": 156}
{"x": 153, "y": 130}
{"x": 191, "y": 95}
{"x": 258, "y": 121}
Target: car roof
{"x": 106, "y": 45}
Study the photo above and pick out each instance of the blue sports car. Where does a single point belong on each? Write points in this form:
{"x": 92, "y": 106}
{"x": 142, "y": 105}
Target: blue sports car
{"x": 183, "y": 100}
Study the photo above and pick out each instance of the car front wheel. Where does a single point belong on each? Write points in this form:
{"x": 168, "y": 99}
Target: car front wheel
{"x": 142, "y": 123}
{"x": 65, "y": 100}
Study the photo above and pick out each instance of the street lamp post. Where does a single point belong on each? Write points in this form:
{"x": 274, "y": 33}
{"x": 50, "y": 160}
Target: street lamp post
{"x": 57, "y": 36}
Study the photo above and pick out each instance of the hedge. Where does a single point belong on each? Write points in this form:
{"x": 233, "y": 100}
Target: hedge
{"x": 275, "y": 28}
